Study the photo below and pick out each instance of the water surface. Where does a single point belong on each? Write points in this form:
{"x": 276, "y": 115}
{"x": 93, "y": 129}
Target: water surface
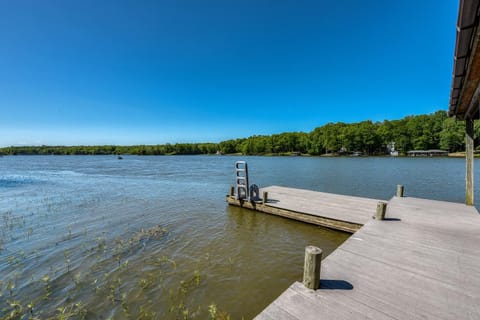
{"x": 153, "y": 237}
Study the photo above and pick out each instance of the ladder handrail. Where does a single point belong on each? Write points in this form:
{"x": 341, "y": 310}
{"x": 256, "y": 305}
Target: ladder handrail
{"x": 241, "y": 180}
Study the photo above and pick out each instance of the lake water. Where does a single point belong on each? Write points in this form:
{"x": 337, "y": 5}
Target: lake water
{"x": 152, "y": 237}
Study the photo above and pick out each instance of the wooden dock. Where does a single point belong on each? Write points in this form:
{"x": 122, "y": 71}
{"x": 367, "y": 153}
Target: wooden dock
{"x": 422, "y": 262}
{"x": 345, "y": 213}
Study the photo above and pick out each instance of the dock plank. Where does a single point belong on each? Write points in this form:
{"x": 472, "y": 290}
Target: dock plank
{"x": 340, "y": 212}
{"x": 421, "y": 263}
{"x": 339, "y": 207}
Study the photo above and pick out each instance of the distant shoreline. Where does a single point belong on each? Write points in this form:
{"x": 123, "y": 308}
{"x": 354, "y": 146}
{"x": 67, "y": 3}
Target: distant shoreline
{"x": 434, "y": 132}
{"x": 450, "y": 155}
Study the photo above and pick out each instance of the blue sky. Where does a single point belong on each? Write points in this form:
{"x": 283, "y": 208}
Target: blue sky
{"x": 148, "y": 72}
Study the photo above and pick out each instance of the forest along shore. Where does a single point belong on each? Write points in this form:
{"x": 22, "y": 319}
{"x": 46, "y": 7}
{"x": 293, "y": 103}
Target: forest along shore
{"x": 420, "y": 132}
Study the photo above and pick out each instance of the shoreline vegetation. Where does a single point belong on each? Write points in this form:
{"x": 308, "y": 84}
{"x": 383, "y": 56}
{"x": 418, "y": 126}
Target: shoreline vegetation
{"x": 367, "y": 138}
{"x": 97, "y": 277}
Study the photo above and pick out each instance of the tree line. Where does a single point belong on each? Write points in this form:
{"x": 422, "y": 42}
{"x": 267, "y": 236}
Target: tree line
{"x": 420, "y": 132}
{"x": 166, "y": 149}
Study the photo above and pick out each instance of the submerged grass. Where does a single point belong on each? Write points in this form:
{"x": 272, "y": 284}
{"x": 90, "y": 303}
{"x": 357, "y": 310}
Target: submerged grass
{"x": 118, "y": 278}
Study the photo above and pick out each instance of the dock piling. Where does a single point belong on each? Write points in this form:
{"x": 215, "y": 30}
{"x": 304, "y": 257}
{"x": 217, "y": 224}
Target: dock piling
{"x": 232, "y": 191}
{"x": 400, "y": 190}
{"x": 312, "y": 266}
{"x": 381, "y": 209}
{"x": 265, "y": 197}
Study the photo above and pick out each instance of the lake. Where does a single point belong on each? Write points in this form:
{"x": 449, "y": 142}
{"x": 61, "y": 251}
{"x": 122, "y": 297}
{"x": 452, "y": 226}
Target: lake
{"x": 152, "y": 237}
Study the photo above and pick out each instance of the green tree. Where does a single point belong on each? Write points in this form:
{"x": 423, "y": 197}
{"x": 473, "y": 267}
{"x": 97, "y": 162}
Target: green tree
{"x": 452, "y": 136}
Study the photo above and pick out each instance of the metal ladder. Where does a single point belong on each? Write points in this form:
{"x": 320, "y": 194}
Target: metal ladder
{"x": 242, "y": 190}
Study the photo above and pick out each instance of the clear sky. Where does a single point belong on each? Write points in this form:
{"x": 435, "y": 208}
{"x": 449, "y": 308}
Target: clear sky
{"x": 147, "y": 72}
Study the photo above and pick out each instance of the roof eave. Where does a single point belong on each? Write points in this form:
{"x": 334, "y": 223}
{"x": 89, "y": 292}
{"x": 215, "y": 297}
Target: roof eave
{"x": 465, "y": 48}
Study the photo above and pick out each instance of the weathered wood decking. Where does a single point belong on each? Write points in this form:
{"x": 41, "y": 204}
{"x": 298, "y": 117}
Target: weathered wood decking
{"x": 345, "y": 213}
{"x": 423, "y": 262}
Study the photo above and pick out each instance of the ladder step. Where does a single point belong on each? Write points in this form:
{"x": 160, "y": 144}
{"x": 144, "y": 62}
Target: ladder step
{"x": 241, "y": 175}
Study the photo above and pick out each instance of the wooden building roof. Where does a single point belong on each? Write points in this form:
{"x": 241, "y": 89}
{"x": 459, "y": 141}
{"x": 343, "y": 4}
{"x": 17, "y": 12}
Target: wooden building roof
{"x": 465, "y": 91}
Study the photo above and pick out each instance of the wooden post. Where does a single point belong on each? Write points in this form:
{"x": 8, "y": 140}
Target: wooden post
{"x": 311, "y": 268}
{"x": 400, "y": 190}
{"x": 232, "y": 191}
{"x": 469, "y": 147}
{"x": 265, "y": 197}
{"x": 381, "y": 209}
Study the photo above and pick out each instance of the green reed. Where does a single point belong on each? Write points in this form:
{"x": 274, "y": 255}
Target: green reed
{"x": 113, "y": 275}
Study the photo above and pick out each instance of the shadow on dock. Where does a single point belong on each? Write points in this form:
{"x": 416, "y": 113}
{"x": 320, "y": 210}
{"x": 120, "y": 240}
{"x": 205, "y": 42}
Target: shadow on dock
{"x": 392, "y": 219}
{"x": 335, "y": 285}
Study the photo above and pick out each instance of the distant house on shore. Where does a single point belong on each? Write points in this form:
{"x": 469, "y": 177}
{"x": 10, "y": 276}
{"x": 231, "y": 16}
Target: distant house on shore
{"x": 391, "y": 149}
{"x": 427, "y": 153}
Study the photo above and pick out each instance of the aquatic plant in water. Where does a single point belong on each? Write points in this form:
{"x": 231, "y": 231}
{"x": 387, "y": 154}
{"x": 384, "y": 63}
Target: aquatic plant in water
{"x": 61, "y": 293}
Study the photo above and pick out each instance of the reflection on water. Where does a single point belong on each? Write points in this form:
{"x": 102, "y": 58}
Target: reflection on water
{"x": 152, "y": 237}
